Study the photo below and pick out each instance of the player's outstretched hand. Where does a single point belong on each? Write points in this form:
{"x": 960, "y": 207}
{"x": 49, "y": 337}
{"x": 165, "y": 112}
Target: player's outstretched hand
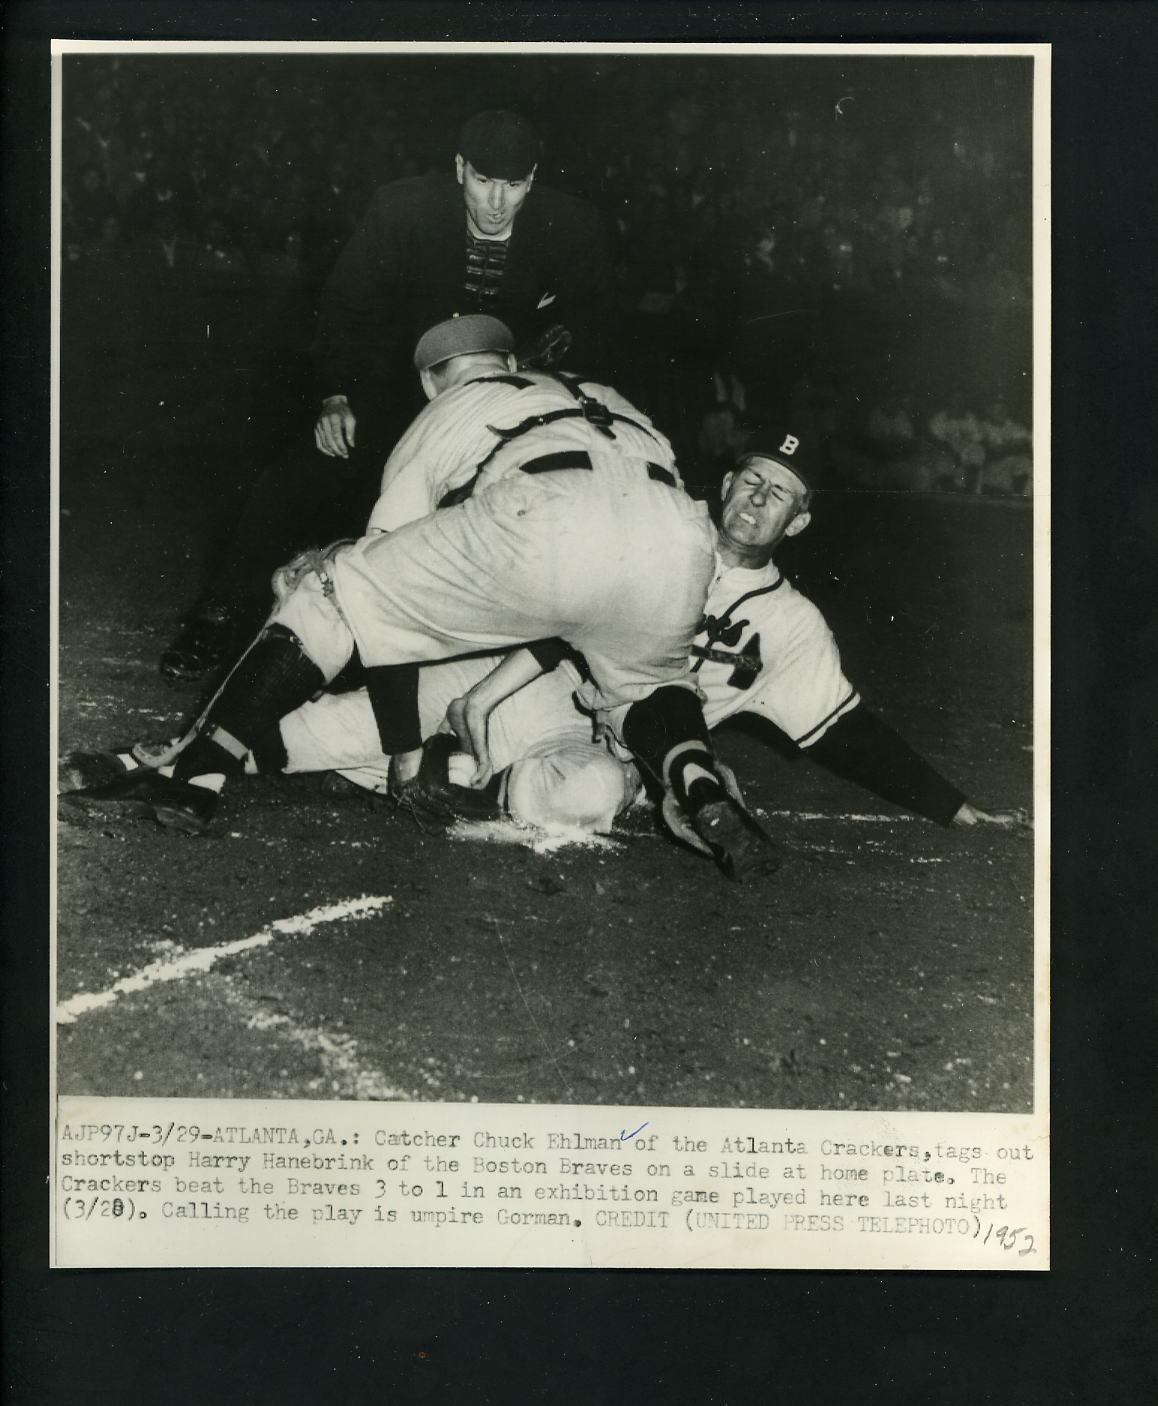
{"x": 1003, "y": 819}
{"x": 334, "y": 431}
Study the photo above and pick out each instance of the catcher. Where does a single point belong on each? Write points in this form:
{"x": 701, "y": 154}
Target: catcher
{"x": 762, "y": 648}
{"x": 573, "y": 527}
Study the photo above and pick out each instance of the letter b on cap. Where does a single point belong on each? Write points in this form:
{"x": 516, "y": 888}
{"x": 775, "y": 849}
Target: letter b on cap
{"x": 790, "y": 445}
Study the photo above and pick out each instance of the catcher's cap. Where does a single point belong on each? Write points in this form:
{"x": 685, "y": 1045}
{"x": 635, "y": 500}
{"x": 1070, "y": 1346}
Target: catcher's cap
{"x": 500, "y": 144}
{"x": 781, "y": 446}
{"x": 459, "y": 335}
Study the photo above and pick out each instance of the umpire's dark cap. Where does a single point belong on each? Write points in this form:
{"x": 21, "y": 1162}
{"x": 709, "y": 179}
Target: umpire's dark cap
{"x": 500, "y": 144}
{"x": 458, "y": 336}
{"x": 782, "y": 446}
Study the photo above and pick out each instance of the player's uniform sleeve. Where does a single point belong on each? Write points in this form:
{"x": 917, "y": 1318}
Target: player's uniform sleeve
{"x": 439, "y": 453}
{"x": 802, "y": 690}
{"x": 863, "y": 748}
{"x": 801, "y": 687}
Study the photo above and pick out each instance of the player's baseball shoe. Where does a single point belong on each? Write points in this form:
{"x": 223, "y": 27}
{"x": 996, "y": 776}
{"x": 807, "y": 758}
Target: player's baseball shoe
{"x": 176, "y": 805}
{"x": 77, "y": 771}
{"x": 205, "y": 639}
{"x": 740, "y": 847}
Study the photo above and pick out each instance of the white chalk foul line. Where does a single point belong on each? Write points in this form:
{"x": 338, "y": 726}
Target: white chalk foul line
{"x": 345, "y": 1073}
{"x": 541, "y": 841}
{"x": 550, "y": 841}
{"x": 202, "y": 958}
{"x": 838, "y": 815}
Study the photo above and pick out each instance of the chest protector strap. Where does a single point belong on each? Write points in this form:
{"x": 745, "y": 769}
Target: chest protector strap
{"x": 587, "y": 408}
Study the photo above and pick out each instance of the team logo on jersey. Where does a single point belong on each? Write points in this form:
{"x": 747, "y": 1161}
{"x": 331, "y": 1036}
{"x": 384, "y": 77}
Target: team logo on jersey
{"x": 746, "y": 664}
{"x": 720, "y": 630}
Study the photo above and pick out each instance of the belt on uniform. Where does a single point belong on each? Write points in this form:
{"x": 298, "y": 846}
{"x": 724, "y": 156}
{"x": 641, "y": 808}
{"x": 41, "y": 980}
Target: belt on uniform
{"x": 580, "y": 459}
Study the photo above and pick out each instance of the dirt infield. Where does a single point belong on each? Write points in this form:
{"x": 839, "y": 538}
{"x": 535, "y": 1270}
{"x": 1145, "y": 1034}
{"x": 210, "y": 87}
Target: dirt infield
{"x": 889, "y": 965}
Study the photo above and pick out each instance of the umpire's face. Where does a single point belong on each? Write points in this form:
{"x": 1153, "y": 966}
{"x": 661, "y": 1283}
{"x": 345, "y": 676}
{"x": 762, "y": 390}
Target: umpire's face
{"x": 763, "y": 502}
{"x": 491, "y": 203}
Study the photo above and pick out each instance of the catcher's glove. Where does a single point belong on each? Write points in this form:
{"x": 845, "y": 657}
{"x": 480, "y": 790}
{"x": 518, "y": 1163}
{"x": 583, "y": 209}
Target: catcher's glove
{"x": 431, "y": 797}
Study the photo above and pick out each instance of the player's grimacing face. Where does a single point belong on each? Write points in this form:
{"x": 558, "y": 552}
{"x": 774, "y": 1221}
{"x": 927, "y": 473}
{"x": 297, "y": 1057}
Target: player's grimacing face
{"x": 491, "y": 203}
{"x": 763, "y": 502}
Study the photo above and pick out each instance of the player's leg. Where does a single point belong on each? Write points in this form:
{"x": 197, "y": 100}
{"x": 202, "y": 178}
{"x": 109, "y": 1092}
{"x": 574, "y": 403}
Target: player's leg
{"x": 304, "y": 646}
{"x": 613, "y": 562}
{"x": 549, "y": 772}
{"x": 667, "y": 734}
{"x": 641, "y": 683}
{"x": 339, "y": 731}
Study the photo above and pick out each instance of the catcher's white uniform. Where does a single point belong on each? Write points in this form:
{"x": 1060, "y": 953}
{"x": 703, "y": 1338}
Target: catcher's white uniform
{"x": 606, "y": 552}
{"x": 762, "y": 648}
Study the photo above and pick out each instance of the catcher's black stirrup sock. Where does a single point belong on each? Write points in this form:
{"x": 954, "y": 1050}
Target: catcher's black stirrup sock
{"x": 668, "y": 735}
{"x": 393, "y": 692}
{"x": 268, "y": 756}
{"x": 273, "y": 679}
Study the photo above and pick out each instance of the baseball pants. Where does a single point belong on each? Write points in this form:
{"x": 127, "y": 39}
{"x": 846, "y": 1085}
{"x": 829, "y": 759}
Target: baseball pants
{"x": 555, "y": 774}
{"x": 611, "y": 561}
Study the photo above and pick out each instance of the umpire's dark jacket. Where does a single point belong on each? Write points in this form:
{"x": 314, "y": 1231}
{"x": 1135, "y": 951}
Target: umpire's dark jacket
{"x": 404, "y": 269}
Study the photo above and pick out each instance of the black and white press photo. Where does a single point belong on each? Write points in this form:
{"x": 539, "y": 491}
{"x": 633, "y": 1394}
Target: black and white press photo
{"x": 545, "y": 578}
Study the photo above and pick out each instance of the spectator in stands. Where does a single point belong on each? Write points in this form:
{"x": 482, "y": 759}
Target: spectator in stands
{"x": 960, "y": 431}
{"x": 162, "y": 188}
{"x": 94, "y": 138}
{"x": 219, "y": 251}
{"x": 88, "y": 203}
{"x": 1009, "y": 454}
{"x": 286, "y": 262}
{"x": 110, "y": 249}
{"x": 165, "y": 248}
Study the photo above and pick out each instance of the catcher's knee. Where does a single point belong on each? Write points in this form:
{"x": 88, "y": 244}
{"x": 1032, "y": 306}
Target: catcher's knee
{"x": 581, "y": 788}
{"x": 284, "y": 636}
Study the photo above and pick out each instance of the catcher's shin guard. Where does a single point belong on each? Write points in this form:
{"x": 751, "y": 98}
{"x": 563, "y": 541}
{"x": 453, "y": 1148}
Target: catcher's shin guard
{"x": 272, "y": 679}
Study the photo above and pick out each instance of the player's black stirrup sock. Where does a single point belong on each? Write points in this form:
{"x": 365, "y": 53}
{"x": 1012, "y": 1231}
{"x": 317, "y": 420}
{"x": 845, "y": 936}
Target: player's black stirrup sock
{"x": 393, "y": 691}
{"x": 668, "y": 735}
{"x": 273, "y": 679}
{"x": 269, "y": 754}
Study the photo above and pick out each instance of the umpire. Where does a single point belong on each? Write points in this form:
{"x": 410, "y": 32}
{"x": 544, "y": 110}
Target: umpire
{"x": 486, "y": 239}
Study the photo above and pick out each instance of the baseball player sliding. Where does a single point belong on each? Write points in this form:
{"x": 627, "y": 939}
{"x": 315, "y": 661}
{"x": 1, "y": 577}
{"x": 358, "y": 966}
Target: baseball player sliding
{"x": 761, "y": 648}
{"x": 575, "y": 528}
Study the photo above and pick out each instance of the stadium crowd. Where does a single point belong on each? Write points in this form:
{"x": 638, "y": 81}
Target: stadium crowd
{"x": 785, "y": 197}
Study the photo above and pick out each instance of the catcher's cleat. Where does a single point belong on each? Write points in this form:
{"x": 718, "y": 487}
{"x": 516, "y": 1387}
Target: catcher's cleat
{"x": 176, "y": 805}
{"x": 78, "y": 771}
{"x": 431, "y": 797}
{"x": 741, "y": 848}
{"x": 205, "y": 639}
